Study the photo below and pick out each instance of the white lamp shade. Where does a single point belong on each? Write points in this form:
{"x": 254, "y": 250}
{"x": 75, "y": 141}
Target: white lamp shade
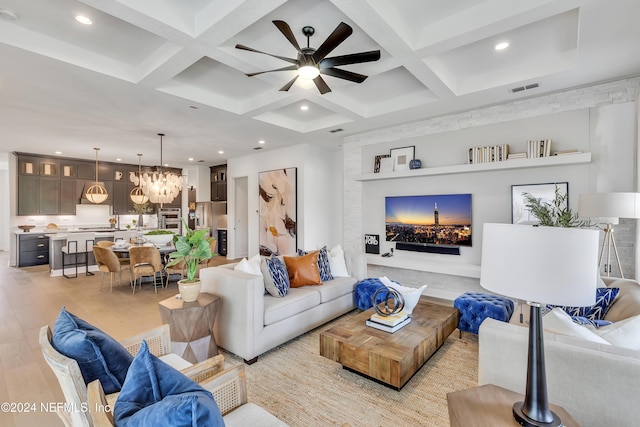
{"x": 548, "y": 265}
{"x": 609, "y": 205}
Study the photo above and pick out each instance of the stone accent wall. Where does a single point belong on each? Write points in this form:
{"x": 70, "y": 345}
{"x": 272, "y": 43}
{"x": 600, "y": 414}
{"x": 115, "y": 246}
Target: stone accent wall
{"x": 620, "y": 91}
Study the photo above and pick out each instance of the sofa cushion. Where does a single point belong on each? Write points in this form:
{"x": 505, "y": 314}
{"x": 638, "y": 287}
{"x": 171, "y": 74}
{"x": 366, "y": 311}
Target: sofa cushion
{"x": 156, "y": 394}
{"x": 628, "y": 302}
{"x": 303, "y": 270}
{"x": 559, "y": 322}
{"x": 604, "y": 300}
{"x": 99, "y": 356}
{"x": 251, "y": 414}
{"x": 625, "y": 333}
{"x": 323, "y": 263}
{"x": 337, "y": 262}
{"x": 335, "y": 288}
{"x": 250, "y": 266}
{"x": 296, "y": 301}
{"x": 275, "y": 275}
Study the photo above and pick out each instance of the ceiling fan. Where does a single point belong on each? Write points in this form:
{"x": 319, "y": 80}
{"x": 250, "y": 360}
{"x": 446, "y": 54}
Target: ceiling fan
{"x": 311, "y": 63}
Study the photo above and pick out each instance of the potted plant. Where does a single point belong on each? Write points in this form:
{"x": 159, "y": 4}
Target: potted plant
{"x": 191, "y": 249}
{"x": 554, "y": 213}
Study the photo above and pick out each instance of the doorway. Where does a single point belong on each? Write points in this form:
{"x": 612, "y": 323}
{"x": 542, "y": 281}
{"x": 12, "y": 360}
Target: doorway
{"x": 241, "y": 217}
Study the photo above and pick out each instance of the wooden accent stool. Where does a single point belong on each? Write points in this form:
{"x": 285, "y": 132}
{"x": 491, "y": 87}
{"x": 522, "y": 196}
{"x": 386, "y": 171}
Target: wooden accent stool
{"x": 490, "y": 405}
{"x": 391, "y": 359}
{"x": 191, "y": 325}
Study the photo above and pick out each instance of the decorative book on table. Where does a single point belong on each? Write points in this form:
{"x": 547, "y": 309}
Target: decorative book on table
{"x": 388, "y": 328}
{"x": 391, "y": 320}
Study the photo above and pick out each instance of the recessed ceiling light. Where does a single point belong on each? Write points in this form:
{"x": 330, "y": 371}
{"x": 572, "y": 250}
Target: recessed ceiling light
{"x": 261, "y": 141}
{"x": 58, "y": 152}
{"x": 304, "y": 107}
{"x": 118, "y": 160}
{"x": 220, "y": 152}
{"x": 83, "y": 20}
{"x": 166, "y": 165}
{"x": 191, "y": 159}
{"x": 501, "y": 46}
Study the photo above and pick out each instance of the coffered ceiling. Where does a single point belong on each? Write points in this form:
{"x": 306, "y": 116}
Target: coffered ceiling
{"x": 149, "y": 66}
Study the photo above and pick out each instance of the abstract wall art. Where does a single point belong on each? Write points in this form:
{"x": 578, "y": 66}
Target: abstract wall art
{"x": 278, "y": 212}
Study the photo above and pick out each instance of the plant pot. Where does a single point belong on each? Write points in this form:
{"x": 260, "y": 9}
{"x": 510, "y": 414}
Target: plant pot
{"x": 189, "y": 291}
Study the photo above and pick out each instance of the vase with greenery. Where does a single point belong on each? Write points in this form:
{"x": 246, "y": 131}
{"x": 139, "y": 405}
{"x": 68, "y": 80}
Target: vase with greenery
{"x": 141, "y": 209}
{"x": 192, "y": 248}
{"x": 554, "y": 213}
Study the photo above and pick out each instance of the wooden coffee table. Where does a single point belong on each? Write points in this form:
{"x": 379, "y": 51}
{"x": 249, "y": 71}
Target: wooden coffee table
{"x": 391, "y": 359}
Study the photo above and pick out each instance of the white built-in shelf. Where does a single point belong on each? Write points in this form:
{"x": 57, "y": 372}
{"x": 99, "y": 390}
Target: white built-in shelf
{"x": 437, "y": 265}
{"x": 568, "y": 159}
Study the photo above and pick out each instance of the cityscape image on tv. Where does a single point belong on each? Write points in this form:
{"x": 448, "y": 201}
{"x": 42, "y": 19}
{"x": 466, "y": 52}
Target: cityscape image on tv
{"x": 436, "y": 220}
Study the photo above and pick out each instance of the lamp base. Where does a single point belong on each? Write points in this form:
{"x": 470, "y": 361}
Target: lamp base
{"x": 524, "y": 420}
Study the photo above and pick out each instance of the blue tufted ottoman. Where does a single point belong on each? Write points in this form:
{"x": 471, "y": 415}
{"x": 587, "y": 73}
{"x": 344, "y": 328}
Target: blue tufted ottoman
{"x": 474, "y": 307}
{"x": 365, "y": 290}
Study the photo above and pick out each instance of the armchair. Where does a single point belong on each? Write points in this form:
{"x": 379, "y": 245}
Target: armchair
{"x": 72, "y": 383}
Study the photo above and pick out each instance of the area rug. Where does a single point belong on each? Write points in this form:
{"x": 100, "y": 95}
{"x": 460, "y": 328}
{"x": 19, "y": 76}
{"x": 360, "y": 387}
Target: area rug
{"x": 302, "y": 388}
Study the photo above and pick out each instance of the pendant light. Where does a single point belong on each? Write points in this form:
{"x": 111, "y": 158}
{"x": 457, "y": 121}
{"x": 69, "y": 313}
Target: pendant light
{"x": 161, "y": 187}
{"x": 97, "y": 193}
{"x": 137, "y": 195}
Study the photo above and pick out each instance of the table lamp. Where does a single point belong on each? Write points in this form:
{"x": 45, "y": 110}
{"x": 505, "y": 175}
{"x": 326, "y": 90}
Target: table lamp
{"x": 609, "y": 207}
{"x": 541, "y": 265}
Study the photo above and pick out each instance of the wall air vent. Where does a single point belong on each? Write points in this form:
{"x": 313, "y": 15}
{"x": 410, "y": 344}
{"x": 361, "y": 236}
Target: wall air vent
{"x": 522, "y": 88}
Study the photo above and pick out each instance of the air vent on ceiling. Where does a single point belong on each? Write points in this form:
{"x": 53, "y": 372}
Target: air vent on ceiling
{"x": 522, "y": 88}
{"x": 257, "y": 148}
{"x": 336, "y": 130}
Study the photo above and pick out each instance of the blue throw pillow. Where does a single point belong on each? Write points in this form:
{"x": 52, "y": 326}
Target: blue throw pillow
{"x": 155, "y": 394}
{"x": 98, "y": 355}
{"x": 584, "y": 321}
{"x": 276, "y": 278}
{"x": 323, "y": 263}
{"x": 605, "y": 297}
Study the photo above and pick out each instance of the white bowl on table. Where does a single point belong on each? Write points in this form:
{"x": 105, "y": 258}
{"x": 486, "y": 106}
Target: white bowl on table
{"x": 159, "y": 239}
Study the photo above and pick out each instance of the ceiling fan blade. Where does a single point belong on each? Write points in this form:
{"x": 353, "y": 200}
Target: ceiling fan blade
{"x": 290, "y": 67}
{"x": 354, "y": 58}
{"x": 339, "y": 35}
{"x": 288, "y": 85}
{"x": 343, "y": 74}
{"x": 285, "y": 29}
{"x": 321, "y": 85}
{"x": 291, "y": 60}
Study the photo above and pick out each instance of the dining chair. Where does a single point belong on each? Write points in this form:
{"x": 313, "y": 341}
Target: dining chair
{"x": 179, "y": 268}
{"x": 78, "y": 244}
{"x": 104, "y": 243}
{"x": 145, "y": 261}
{"x": 108, "y": 262}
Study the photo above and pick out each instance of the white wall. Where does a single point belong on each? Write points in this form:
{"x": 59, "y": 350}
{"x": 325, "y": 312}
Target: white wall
{"x": 599, "y": 119}
{"x": 317, "y": 174}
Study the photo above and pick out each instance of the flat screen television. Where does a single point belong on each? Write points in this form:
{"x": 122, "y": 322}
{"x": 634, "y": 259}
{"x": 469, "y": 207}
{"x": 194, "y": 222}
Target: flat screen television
{"x": 429, "y": 220}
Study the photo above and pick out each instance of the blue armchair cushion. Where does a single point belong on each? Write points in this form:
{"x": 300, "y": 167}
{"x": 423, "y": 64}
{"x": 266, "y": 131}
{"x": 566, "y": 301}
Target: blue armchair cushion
{"x": 605, "y": 297}
{"x": 99, "y": 356}
{"x": 155, "y": 394}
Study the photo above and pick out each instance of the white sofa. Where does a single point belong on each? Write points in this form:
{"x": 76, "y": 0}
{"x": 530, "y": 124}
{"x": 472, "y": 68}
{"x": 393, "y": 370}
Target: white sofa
{"x": 595, "y": 383}
{"x": 251, "y": 322}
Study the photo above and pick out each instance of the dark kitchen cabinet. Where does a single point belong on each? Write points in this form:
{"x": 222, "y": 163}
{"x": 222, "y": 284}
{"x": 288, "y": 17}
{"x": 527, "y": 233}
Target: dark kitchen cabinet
{"x": 219, "y": 183}
{"x": 122, "y": 203}
{"x": 38, "y": 195}
{"x": 87, "y": 170}
{"x": 222, "y": 242}
{"x": 33, "y": 249}
{"x": 69, "y": 197}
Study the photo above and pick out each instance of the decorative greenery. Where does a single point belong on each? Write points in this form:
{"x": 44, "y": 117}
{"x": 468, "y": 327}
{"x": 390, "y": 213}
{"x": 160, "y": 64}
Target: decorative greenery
{"x": 192, "y": 248}
{"x": 554, "y": 213}
{"x": 157, "y": 232}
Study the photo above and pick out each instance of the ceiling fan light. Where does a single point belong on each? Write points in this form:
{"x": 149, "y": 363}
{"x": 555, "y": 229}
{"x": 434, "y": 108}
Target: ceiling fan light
{"x": 309, "y": 72}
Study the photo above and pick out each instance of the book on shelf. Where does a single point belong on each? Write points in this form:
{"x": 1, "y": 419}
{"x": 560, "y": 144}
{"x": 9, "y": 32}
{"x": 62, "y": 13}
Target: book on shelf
{"x": 541, "y": 148}
{"x": 488, "y": 154}
{"x": 386, "y": 328}
{"x": 565, "y": 152}
{"x": 517, "y": 156}
{"x": 391, "y": 320}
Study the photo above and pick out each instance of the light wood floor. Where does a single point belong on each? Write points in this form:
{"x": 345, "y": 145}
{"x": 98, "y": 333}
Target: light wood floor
{"x": 30, "y": 299}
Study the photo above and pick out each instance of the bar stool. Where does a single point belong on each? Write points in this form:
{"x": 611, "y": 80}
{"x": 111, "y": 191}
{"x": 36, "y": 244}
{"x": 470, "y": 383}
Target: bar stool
{"x": 77, "y": 244}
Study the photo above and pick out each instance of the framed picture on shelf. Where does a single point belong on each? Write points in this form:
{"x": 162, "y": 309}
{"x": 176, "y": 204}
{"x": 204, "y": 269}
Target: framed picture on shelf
{"x": 547, "y": 192}
{"x": 402, "y": 157}
{"x": 376, "y": 164}
{"x": 386, "y": 164}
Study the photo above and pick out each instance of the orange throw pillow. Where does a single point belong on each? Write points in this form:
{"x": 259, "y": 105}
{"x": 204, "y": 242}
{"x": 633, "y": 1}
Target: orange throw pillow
{"x": 303, "y": 270}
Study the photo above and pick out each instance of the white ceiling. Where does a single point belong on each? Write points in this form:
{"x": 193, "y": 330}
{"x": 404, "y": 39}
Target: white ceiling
{"x": 150, "y": 66}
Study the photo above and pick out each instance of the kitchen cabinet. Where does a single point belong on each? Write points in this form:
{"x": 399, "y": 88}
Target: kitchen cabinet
{"x": 33, "y": 249}
{"x": 219, "y": 183}
{"x": 122, "y": 203}
{"x": 69, "y": 197}
{"x": 38, "y": 166}
{"x": 87, "y": 170}
{"x": 38, "y": 195}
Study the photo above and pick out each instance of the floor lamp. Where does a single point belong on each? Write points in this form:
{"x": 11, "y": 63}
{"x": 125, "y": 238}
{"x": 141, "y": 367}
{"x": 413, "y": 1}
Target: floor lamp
{"x": 609, "y": 207}
{"x": 541, "y": 265}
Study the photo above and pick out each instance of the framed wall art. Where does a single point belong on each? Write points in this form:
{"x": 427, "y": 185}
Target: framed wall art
{"x": 402, "y": 157}
{"x": 376, "y": 164}
{"x": 519, "y": 212}
{"x": 278, "y": 212}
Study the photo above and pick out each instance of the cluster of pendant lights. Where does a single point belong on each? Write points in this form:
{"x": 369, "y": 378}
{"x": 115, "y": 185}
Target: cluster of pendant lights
{"x": 155, "y": 187}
